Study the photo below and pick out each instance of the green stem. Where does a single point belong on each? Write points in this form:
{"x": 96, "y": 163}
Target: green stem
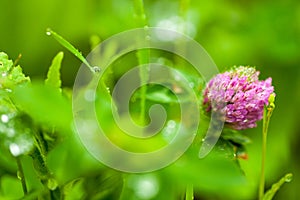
{"x": 189, "y": 195}
{"x": 41, "y": 144}
{"x": 21, "y": 175}
{"x": 39, "y": 157}
{"x": 183, "y": 9}
{"x": 143, "y": 57}
{"x": 266, "y": 120}
{"x": 140, "y": 13}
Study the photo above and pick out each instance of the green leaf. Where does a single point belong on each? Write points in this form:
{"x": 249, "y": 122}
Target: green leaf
{"x": 213, "y": 173}
{"x": 73, "y": 190}
{"x": 10, "y": 76}
{"x": 235, "y": 137}
{"x": 53, "y": 76}
{"x": 68, "y": 46}
{"x": 276, "y": 186}
{"x": 11, "y": 188}
{"x": 44, "y": 104}
{"x": 5, "y": 63}
{"x": 35, "y": 194}
{"x": 163, "y": 96}
{"x": 156, "y": 93}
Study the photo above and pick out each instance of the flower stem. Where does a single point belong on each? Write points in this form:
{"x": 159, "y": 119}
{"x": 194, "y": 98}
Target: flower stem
{"x": 189, "y": 195}
{"x": 21, "y": 175}
{"x": 183, "y": 9}
{"x": 143, "y": 57}
{"x": 266, "y": 120}
{"x": 140, "y": 13}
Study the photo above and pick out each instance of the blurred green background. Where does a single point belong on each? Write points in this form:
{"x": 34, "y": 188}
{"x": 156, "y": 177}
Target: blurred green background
{"x": 265, "y": 34}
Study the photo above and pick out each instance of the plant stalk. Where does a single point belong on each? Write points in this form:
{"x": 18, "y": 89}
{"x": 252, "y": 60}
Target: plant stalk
{"x": 140, "y": 13}
{"x": 189, "y": 195}
{"x": 21, "y": 175}
{"x": 266, "y": 120}
{"x": 143, "y": 57}
{"x": 183, "y": 10}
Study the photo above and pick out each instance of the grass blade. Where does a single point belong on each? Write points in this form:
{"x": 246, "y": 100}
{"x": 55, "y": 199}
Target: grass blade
{"x": 69, "y": 46}
{"x": 276, "y": 186}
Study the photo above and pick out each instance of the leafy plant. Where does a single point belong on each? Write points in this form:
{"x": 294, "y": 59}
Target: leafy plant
{"x": 42, "y": 157}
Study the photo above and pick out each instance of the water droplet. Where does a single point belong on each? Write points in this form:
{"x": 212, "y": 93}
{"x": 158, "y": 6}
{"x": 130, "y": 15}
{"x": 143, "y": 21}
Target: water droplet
{"x": 15, "y": 149}
{"x": 4, "y": 74}
{"x": 148, "y": 38}
{"x": 20, "y": 143}
{"x": 19, "y": 175}
{"x": 52, "y": 184}
{"x": 144, "y": 186}
{"x": 108, "y": 90}
{"x": 4, "y": 118}
{"x": 288, "y": 178}
{"x": 191, "y": 84}
{"x": 96, "y": 69}
{"x": 48, "y": 32}
{"x": 171, "y": 124}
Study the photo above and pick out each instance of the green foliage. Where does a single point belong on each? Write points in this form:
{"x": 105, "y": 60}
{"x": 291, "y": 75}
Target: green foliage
{"x": 68, "y": 46}
{"x": 228, "y": 32}
{"x": 15, "y": 127}
{"x": 32, "y": 99}
{"x": 53, "y": 76}
{"x": 10, "y": 75}
{"x": 276, "y": 186}
{"x": 11, "y": 188}
{"x": 56, "y": 144}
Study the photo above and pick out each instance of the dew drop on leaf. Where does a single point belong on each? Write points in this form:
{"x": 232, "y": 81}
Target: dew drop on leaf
{"x": 52, "y": 184}
{"x": 108, "y": 90}
{"x": 192, "y": 85}
{"x": 96, "y": 69}
{"x": 4, "y": 118}
{"x": 19, "y": 175}
{"x": 48, "y": 32}
{"x": 15, "y": 149}
{"x": 4, "y": 74}
{"x": 288, "y": 178}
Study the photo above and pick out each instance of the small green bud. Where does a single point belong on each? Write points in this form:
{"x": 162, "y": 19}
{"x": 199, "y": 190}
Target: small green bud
{"x": 271, "y": 101}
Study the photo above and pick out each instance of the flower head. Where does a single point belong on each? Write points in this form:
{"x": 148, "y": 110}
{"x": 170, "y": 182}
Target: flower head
{"x": 240, "y": 95}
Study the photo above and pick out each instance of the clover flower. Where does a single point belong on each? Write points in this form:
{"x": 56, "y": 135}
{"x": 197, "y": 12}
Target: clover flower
{"x": 239, "y": 95}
